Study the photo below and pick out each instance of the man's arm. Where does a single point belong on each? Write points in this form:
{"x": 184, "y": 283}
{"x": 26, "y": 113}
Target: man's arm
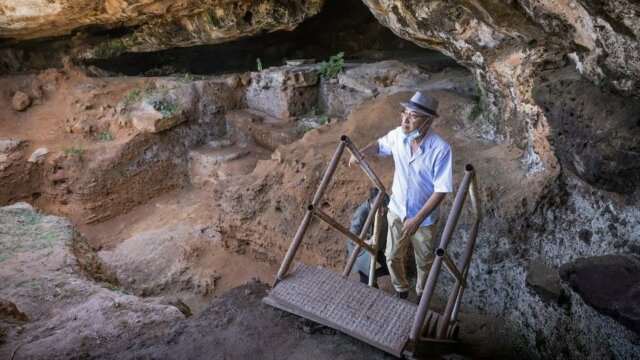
{"x": 371, "y": 149}
{"x": 411, "y": 225}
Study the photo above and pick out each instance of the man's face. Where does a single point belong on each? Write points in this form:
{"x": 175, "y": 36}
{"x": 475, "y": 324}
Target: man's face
{"x": 413, "y": 120}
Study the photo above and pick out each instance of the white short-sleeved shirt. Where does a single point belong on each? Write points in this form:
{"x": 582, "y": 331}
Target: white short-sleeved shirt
{"x": 417, "y": 176}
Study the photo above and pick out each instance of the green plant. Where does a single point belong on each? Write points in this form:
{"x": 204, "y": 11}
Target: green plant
{"x": 476, "y": 110}
{"x": 259, "y": 64}
{"x": 207, "y": 17}
{"x": 73, "y": 150}
{"x": 322, "y": 119}
{"x": 130, "y": 97}
{"x": 166, "y": 108}
{"x": 110, "y": 48}
{"x": 187, "y": 78}
{"x": 211, "y": 19}
{"x": 331, "y": 69}
{"x": 103, "y": 136}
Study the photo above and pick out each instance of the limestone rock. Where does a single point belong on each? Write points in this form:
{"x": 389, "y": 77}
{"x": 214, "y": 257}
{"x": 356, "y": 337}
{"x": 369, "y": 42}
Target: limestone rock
{"x": 283, "y": 92}
{"x": 147, "y": 119}
{"x": 38, "y": 155}
{"x": 591, "y": 130}
{"x": 83, "y": 127}
{"x": 158, "y": 24}
{"x": 544, "y": 281}
{"x": 20, "y": 101}
{"x": 8, "y": 145}
{"x": 610, "y": 284}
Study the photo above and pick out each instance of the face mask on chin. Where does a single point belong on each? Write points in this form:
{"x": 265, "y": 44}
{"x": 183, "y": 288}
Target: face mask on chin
{"x": 416, "y": 133}
{"x": 412, "y": 135}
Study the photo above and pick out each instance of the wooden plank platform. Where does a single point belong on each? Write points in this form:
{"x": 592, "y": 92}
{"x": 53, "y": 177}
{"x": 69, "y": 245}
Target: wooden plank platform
{"x": 371, "y": 315}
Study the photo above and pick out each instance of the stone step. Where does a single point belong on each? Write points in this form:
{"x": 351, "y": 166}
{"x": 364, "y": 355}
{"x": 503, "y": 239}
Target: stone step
{"x": 264, "y": 129}
{"x": 209, "y": 165}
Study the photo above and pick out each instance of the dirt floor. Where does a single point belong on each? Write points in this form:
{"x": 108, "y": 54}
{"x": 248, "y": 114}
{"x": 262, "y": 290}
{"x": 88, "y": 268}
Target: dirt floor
{"x": 154, "y": 260}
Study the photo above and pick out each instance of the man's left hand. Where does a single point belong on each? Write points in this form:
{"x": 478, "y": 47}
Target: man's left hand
{"x": 410, "y": 226}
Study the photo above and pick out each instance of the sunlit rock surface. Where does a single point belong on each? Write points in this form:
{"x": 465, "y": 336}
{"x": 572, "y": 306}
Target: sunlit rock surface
{"x": 158, "y": 24}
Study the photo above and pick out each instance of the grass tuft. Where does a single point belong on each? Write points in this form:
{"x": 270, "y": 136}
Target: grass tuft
{"x": 73, "y": 150}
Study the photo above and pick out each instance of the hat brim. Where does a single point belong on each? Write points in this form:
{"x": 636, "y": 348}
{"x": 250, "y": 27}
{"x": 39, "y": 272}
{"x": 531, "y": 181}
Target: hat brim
{"x": 421, "y": 111}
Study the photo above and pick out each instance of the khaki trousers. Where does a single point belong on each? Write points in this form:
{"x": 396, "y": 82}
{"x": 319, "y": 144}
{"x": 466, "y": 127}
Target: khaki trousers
{"x": 424, "y": 246}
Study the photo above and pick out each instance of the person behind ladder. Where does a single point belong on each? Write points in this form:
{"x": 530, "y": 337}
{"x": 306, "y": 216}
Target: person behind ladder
{"x": 357, "y": 222}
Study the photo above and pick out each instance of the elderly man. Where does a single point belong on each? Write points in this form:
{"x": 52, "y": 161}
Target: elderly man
{"x": 422, "y": 178}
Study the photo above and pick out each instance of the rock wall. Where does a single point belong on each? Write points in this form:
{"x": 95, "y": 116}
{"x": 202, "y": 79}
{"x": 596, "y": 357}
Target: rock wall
{"x": 508, "y": 44}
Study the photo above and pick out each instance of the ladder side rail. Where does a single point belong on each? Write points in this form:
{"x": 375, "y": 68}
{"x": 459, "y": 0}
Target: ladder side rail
{"x": 297, "y": 240}
{"x": 336, "y": 225}
{"x": 365, "y": 166}
{"x": 429, "y": 287}
{"x": 377, "y": 228}
{"x": 363, "y": 233}
{"x": 453, "y": 303}
{"x": 474, "y": 195}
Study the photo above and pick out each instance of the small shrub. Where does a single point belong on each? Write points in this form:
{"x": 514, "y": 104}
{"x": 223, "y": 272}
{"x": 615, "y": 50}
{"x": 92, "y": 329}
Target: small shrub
{"x": 476, "y": 111}
{"x": 130, "y": 97}
{"x": 187, "y": 78}
{"x": 166, "y": 108}
{"x": 322, "y": 119}
{"x": 258, "y": 64}
{"x": 110, "y": 48}
{"x": 207, "y": 17}
{"x": 103, "y": 136}
{"x": 331, "y": 69}
{"x": 73, "y": 150}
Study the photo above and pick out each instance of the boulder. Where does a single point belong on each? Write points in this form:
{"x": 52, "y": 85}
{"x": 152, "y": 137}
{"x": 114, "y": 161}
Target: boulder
{"x": 544, "y": 282}
{"x": 8, "y": 145}
{"x": 38, "y": 155}
{"x": 147, "y": 119}
{"x": 610, "y": 284}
